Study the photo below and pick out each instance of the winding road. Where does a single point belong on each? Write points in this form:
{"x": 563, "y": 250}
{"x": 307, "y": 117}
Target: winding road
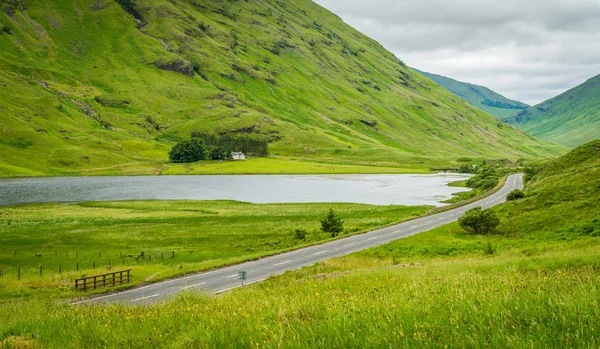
{"x": 224, "y": 279}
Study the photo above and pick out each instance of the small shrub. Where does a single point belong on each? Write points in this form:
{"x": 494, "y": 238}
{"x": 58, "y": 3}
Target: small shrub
{"x": 332, "y": 224}
{"x": 515, "y": 195}
{"x": 6, "y": 29}
{"x": 300, "y": 234}
{"x": 489, "y": 249}
{"x": 478, "y": 221}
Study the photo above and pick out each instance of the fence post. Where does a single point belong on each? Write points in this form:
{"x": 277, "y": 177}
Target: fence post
{"x": 94, "y": 264}
{"x": 173, "y": 256}
{"x": 41, "y": 271}
{"x": 77, "y": 266}
{"x": 150, "y": 258}
{"x": 60, "y": 268}
{"x": 19, "y": 274}
{"x": 109, "y": 262}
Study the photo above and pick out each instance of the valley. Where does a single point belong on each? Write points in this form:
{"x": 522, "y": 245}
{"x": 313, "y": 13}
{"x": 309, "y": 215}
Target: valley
{"x": 265, "y": 175}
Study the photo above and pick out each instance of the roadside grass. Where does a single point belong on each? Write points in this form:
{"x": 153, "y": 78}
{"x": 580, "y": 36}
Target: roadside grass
{"x": 507, "y": 301}
{"x": 177, "y": 237}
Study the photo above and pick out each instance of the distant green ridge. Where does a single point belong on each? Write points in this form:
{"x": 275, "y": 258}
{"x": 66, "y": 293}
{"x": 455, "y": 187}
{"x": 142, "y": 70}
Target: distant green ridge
{"x": 480, "y": 97}
{"x": 94, "y": 85}
{"x": 571, "y": 119}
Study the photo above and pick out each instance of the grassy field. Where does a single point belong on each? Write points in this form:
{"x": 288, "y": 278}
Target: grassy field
{"x": 532, "y": 284}
{"x": 89, "y": 88}
{"x": 507, "y": 301}
{"x": 201, "y": 235}
{"x": 268, "y": 165}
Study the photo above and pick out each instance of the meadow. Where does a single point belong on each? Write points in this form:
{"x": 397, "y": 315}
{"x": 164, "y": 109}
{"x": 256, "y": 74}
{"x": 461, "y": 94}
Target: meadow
{"x": 507, "y": 301}
{"x": 533, "y": 283}
{"x": 177, "y": 237}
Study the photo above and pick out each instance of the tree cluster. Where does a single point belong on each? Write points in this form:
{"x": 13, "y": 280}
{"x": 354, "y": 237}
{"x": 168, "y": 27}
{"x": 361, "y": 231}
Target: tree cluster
{"x": 188, "y": 151}
{"x": 487, "y": 178}
{"x": 225, "y": 144}
{"x": 478, "y": 221}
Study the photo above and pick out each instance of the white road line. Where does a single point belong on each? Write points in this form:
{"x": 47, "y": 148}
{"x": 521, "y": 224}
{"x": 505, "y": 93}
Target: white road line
{"x": 194, "y": 285}
{"x": 230, "y": 276}
{"x": 414, "y": 226}
{"x": 141, "y": 299}
{"x": 281, "y": 263}
{"x": 373, "y": 238}
{"x": 314, "y": 254}
{"x": 348, "y": 245}
{"x": 238, "y": 286}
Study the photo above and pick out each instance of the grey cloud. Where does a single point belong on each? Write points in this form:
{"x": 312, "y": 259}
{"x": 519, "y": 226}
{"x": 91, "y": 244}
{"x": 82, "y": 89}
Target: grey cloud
{"x": 527, "y": 50}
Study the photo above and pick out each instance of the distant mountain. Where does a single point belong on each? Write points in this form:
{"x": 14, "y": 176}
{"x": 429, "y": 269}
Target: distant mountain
{"x": 480, "y": 97}
{"x": 571, "y": 119}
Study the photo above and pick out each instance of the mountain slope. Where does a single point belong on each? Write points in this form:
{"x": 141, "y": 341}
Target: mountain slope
{"x": 88, "y": 85}
{"x": 571, "y": 118}
{"x": 480, "y": 97}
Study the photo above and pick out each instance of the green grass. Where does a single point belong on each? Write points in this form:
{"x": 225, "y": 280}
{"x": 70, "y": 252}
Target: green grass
{"x": 499, "y": 302}
{"x": 571, "y": 119}
{"x": 481, "y": 97}
{"x": 539, "y": 288}
{"x": 202, "y": 235}
{"x": 80, "y": 91}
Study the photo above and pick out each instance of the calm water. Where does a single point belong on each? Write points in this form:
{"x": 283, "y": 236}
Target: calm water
{"x": 368, "y": 189}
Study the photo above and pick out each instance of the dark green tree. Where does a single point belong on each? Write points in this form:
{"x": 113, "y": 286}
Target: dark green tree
{"x": 332, "y": 223}
{"x": 218, "y": 153}
{"x": 478, "y": 221}
{"x": 188, "y": 151}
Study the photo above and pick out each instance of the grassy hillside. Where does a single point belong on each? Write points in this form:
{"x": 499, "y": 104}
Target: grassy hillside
{"x": 571, "y": 119}
{"x": 534, "y": 284}
{"x": 88, "y": 87}
{"x": 480, "y": 97}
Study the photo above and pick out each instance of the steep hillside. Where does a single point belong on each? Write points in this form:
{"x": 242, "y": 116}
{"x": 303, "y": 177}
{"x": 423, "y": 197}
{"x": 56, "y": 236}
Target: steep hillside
{"x": 480, "y": 97}
{"x": 571, "y": 118}
{"x": 90, "y": 85}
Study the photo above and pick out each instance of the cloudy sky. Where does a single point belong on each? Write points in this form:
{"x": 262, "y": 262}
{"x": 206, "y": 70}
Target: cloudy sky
{"x": 528, "y": 50}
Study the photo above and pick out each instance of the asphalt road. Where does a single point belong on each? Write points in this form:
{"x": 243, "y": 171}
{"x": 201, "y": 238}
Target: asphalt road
{"x": 221, "y": 280}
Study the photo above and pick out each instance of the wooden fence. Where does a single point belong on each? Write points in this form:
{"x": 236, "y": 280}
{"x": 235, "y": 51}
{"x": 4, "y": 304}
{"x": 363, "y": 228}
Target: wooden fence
{"x": 104, "y": 280}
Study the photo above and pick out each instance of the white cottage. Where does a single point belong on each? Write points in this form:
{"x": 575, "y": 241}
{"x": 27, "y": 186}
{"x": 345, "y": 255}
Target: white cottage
{"x": 237, "y": 155}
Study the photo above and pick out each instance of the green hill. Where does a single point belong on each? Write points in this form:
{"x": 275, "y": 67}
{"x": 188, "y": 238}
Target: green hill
{"x": 480, "y": 97}
{"x": 96, "y": 86}
{"x": 571, "y": 118}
